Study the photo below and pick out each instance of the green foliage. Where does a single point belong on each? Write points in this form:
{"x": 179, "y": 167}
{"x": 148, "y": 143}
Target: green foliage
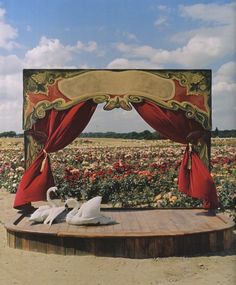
{"x": 9, "y": 134}
{"x": 145, "y": 135}
{"x": 227, "y": 195}
{"x": 223, "y": 133}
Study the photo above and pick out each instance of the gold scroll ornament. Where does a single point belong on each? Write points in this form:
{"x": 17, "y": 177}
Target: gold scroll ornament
{"x": 117, "y": 89}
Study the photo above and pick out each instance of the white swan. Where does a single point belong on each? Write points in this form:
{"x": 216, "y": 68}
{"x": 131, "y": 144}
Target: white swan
{"x": 42, "y": 212}
{"x": 46, "y": 214}
{"x": 54, "y": 211}
{"x": 89, "y": 213}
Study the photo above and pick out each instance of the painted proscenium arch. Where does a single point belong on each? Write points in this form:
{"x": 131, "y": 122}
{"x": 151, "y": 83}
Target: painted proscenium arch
{"x": 187, "y": 90}
{"x": 117, "y": 89}
{"x": 46, "y": 89}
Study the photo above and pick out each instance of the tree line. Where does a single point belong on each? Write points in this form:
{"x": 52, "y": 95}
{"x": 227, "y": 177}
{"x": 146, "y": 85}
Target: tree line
{"x": 223, "y": 133}
{"x": 147, "y": 135}
{"x": 10, "y": 134}
{"x": 144, "y": 135}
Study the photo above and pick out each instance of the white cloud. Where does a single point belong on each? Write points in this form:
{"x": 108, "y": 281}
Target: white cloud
{"x": 11, "y": 86}
{"x": 226, "y": 72}
{"x": 10, "y": 116}
{"x": 224, "y": 96}
{"x": 163, "y": 8}
{"x": 10, "y": 64}
{"x": 215, "y": 13}
{"x": 122, "y": 63}
{"x": 199, "y": 48}
{"x": 222, "y": 33}
{"x": 130, "y": 36}
{"x": 199, "y": 51}
{"x": 221, "y": 27}
{"x": 160, "y": 21}
{"x": 224, "y": 82}
{"x": 51, "y": 53}
{"x": 11, "y": 102}
{"x": 7, "y": 33}
{"x": 143, "y": 51}
{"x": 218, "y": 22}
{"x": 90, "y": 47}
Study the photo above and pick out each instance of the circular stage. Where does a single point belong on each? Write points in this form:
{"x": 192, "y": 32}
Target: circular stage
{"x": 136, "y": 234}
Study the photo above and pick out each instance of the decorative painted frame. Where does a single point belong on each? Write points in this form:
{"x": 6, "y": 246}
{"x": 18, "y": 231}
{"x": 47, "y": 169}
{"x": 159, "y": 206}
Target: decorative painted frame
{"x": 187, "y": 90}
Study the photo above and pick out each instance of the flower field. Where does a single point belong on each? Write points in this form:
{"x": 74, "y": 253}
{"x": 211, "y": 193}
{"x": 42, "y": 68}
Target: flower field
{"x": 127, "y": 173}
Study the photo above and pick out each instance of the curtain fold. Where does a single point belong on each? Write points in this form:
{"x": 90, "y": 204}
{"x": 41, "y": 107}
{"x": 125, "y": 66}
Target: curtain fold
{"x": 55, "y": 131}
{"x": 195, "y": 181}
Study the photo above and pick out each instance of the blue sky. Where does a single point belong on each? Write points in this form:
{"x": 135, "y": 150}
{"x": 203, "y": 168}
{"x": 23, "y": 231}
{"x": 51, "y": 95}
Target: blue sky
{"x": 117, "y": 34}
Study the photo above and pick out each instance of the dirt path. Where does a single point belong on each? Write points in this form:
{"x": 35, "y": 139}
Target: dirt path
{"x": 23, "y": 267}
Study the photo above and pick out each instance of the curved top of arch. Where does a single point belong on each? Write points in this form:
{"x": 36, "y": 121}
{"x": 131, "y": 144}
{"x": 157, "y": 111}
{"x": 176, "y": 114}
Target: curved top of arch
{"x": 187, "y": 90}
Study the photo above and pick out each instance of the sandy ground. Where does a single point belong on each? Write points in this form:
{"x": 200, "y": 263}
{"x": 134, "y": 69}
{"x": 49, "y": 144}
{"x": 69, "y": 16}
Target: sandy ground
{"x": 23, "y": 267}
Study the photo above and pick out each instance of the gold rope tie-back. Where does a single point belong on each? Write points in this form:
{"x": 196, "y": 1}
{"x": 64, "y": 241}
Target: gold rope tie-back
{"x": 189, "y": 163}
{"x": 44, "y": 160}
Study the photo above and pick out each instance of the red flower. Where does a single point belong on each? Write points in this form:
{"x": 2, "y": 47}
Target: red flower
{"x": 146, "y": 173}
{"x": 120, "y": 166}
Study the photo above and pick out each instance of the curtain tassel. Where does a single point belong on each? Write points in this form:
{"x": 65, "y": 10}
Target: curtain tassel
{"x": 44, "y": 160}
{"x": 189, "y": 164}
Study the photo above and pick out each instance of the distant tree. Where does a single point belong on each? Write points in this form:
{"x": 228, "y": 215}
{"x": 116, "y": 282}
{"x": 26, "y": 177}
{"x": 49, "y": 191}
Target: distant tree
{"x": 147, "y": 135}
{"x": 223, "y": 133}
{"x": 9, "y": 134}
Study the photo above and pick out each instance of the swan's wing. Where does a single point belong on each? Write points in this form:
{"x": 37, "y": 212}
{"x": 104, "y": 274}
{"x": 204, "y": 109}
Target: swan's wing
{"x": 76, "y": 220}
{"x": 89, "y": 213}
{"x": 71, "y": 214}
{"x": 100, "y": 220}
{"x": 53, "y": 214}
{"x": 91, "y": 208}
{"x": 40, "y": 214}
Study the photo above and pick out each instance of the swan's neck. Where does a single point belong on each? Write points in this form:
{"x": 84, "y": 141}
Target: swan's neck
{"x": 50, "y": 201}
{"x": 75, "y": 205}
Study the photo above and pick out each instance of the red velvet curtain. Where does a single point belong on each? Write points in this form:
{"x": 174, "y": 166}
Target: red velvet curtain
{"x": 55, "y": 131}
{"x": 196, "y": 181}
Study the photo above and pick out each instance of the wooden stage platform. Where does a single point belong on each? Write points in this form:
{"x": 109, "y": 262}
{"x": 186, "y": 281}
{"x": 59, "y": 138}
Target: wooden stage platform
{"x": 137, "y": 234}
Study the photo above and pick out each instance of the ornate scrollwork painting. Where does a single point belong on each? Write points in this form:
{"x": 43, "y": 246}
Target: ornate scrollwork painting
{"x": 60, "y": 89}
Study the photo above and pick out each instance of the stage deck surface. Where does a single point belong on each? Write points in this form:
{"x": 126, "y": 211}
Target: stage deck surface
{"x": 136, "y": 234}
